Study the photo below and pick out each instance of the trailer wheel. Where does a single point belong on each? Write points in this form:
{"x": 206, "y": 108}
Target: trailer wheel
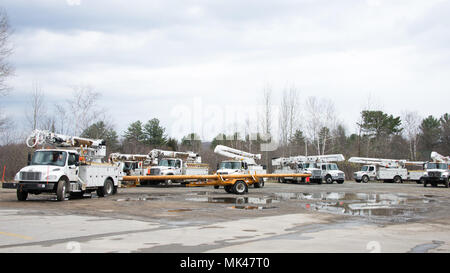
{"x": 398, "y": 179}
{"x": 61, "y": 191}
{"x": 22, "y": 195}
{"x": 240, "y": 187}
{"x": 365, "y": 179}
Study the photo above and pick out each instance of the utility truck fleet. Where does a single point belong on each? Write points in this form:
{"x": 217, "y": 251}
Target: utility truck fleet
{"x": 386, "y": 170}
{"x": 321, "y": 168}
{"x": 72, "y": 168}
{"x": 437, "y": 171}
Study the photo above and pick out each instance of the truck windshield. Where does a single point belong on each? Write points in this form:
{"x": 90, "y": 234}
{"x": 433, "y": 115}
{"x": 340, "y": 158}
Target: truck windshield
{"x": 441, "y": 166}
{"x": 365, "y": 168}
{"x": 230, "y": 165}
{"x": 333, "y": 167}
{"x": 167, "y": 162}
{"x": 54, "y": 158}
{"x": 310, "y": 165}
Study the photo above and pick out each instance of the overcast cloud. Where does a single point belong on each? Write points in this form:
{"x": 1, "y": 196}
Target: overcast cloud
{"x": 212, "y": 58}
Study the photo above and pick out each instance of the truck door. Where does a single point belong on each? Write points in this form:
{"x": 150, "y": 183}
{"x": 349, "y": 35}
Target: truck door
{"x": 177, "y": 167}
{"x": 72, "y": 166}
{"x": 372, "y": 172}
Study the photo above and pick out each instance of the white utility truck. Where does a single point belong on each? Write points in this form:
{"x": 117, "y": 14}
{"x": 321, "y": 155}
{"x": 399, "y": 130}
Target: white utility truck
{"x": 73, "y": 168}
{"x": 177, "y": 163}
{"x": 132, "y": 164}
{"x": 438, "y": 171}
{"x": 319, "y": 166}
{"x": 386, "y": 170}
{"x": 239, "y": 162}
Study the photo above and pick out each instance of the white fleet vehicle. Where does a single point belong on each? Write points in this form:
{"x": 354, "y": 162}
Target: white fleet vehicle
{"x": 240, "y": 162}
{"x": 72, "y": 169}
{"x": 386, "y": 170}
{"x": 132, "y": 164}
{"x": 320, "y": 167}
{"x": 177, "y": 163}
{"x": 438, "y": 171}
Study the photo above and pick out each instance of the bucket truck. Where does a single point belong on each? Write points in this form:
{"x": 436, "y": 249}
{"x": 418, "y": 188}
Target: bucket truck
{"x": 132, "y": 164}
{"x": 73, "y": 168}
{"x": 320, "y": 167}
{"x": 437, "y": 171}
{"x": 239, "y": 162}
{"x": 176, "y": 163}
{"x": 387, "y": 170}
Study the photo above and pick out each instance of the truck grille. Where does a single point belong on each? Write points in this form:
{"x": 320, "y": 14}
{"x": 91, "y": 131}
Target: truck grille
{"x": 316, "y": 173}
{"x": 155, "y": 171}
{"x": 341, "y": 176}
{"x": 434, "y": 174}
{"x": 30, "y": 176}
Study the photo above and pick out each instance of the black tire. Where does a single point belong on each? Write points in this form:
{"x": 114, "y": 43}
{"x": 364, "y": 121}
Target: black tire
{"x": 398, "y": 179}
{"x": 421, "y": 181}
{"x": 319, "y": 181}
{"x": 365, "y": 179}
{"x": 340, "y": 181}
{"x": 425, "y": 183}
{"x": 107, "y": 189}
{"x": 357, "y": 181}
{"x": 22, "y": 195}
{"x": 61, "y": 191}
{"x": 240, "y": 187}
{"x": 228, "y": 188}
{"x": 216, "y": 187}
{"x": 259, "y": 184}
{"x": 328, "y": 179}
{"x": 447, "y": 182}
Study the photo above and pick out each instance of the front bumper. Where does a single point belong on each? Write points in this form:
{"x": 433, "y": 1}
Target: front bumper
{"x": 31, "y": 186}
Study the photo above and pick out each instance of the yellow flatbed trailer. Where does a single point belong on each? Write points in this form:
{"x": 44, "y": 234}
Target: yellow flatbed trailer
{"x": 233, "y": 183}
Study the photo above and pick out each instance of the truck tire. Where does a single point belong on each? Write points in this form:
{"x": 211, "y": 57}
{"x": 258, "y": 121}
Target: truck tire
{"x": 259, "y": 184}
{"x": 340, "y": 181}
{"x": 22, "y": 195}
{"x": 228, "y": 188}
{"x": 425, "y": 183}
{"x": 357, "y": 181}
{"x": 447, "y": 182}
{"x": 328, "y": 179}
{"x": 240, "y": 187}
{"x": 398, "y": 179}
{"x": 365, "y": 179}
{"x": 107, "y": 189}
{"x": 61, "y": 190}
{"x": 421, "y": 181}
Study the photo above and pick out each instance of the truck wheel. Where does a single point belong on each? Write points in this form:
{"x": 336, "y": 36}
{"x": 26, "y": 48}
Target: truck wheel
{"x": 365, "y": 179}
{"x": 61, "y": 191}
{"x": 240, "y": 187}
{"x": 421, "y": 181}
{"x": 107, "y": 189}
{"x": 319, "y": 181}
{"x": 398, "y": 179}
{"x": 447, "y": 182}
{"x": 328, "y": 179}
{"x": 425, "y": 183}
{"x": 216, "y": 187}
{"x": 228, "y": 188}
{"x": 357, "y": 181}
{"x": 168, "y": 182}
{"x": 21, "y": 194}
{"x": 259, "y": 185}
{"x": 340, "y": 181}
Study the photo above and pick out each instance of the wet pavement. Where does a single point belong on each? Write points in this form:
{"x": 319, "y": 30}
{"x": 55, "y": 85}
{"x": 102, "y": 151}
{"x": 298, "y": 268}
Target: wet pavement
{"x": 392, "y": 217}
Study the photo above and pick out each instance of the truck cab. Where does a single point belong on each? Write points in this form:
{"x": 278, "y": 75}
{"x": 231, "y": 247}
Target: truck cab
{"x": 168, "y": 166}
{"x": 367, "y": 173}
{"x": 313, "y": 169}
{"x": 232, "y": 167}
{"x": 437, "y": 173}
{"x": 331, "y": 173}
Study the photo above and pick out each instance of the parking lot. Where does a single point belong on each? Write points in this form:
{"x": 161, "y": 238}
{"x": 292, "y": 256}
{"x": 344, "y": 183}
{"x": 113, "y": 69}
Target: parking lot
{"x": 352, "y": 217}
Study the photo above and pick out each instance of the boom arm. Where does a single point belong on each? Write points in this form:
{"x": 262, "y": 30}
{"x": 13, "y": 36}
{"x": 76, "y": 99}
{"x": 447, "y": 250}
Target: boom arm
{"x": 188, "y": 156}
{"x": 237, "y": 154}
{"x": 440, "y": 158}
{"x": 388, "y": 163}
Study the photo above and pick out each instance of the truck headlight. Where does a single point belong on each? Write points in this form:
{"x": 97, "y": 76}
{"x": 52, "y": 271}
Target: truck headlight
{"x": 425, "y": 174}
{"x": 50, "y": 177}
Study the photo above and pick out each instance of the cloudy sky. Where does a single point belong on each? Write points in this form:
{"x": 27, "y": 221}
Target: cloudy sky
{"x": 202, "y": 65}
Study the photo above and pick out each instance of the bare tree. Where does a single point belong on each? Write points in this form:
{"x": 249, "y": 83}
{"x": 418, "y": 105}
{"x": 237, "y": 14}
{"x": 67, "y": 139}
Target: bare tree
{"x": 411, "y": 127}
{"x": 288, "y": 118}
{"x": 83, "y": 109}
{"x": 6, "y": 69}
{"x": 267, "y": 110}
{"x": 36, "y": 108}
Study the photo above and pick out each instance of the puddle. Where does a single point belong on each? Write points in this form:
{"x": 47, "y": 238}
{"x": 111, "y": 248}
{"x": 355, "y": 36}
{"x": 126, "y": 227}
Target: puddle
{"x": 241, "y": 202}
{"x": 248, "y": 207}
{"x": 140, "y": 198}
{"x": 400, "y": 206}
